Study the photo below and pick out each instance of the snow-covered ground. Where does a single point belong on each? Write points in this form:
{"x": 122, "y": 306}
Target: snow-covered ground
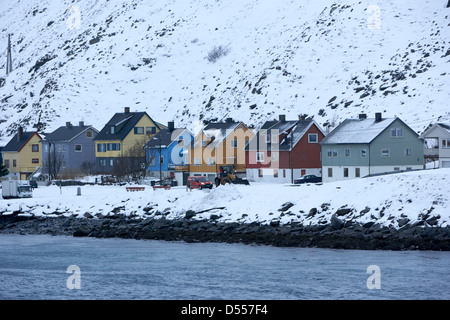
{"x": 388, "y": 200}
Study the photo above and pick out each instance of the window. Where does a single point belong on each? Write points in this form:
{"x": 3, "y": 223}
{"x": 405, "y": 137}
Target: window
{"x": 45, "y": 147}
{"x": 284, "y": 173}
{"x": 445, "y": 143}
{"x": 203, "y": 143}
{"x": 260, "y": 157}
{"x": 345, "y": 172}
{"x": 6, "y": 163}
{"x": 347, "y": 152}
{"x": 197, "y": 161}
{"x": 385, "y": 152}
{"x": 150, "y": 130}
{"x": 139, "y": 130}
{"x": 313, "y": 138}
{"x": 357, "y": 172}
{"x": 408, "y": 152}
{"x": 102, "y": 162}
{"x": 234, "y": 143}
{"x": 112, "y": 130}
{"x": 113, "y": 146}
{"x": 34, "y": 160}
{"x": 275, "y": 156}
{"x": 396, "y": 168}
{"x": 274, "y": 138}
{"x": 260, "y": 173}
{"x": 101, "y": 147}
{"x": 332, "y": 153}
{"x": 363, "y": 152}
{"x": 330, "y": 172}
{"x": 396, "y": 133}
{"x": 78, "y": 148}
{"x": 14, "y": 163}
{"x": 267, "y": 138}
{"x": 88, "y": 134}
{"x": 111, "y": 162}
{"x": 275, "y": 173}
{"x": 35, "y": 148}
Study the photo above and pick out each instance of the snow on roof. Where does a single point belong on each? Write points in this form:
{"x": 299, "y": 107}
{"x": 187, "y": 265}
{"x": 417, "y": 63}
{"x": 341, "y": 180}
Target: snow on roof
{"x": 357, "y": 131}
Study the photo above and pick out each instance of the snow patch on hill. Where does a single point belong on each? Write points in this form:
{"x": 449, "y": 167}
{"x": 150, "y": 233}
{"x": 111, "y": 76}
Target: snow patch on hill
{"x": 313, "y": 58}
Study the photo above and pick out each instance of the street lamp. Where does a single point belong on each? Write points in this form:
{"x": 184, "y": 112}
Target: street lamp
{"x": 160, "y": 174}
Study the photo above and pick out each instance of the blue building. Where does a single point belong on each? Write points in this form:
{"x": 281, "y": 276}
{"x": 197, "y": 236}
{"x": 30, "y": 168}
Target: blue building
{"x": 167, "y": 154}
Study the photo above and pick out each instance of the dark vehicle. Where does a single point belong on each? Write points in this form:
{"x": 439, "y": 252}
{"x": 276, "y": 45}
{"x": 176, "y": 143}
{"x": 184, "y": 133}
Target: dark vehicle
{"x": 310, "y": 178}
{"x": 199, "y": 182}
{"x": 33, "y": 184}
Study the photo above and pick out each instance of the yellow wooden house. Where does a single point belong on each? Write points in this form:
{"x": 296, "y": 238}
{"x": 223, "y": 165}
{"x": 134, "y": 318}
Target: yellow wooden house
{"x": 124, "y": 136}
{"x": 219, "y": 143}
{"x": 22, "y": 155}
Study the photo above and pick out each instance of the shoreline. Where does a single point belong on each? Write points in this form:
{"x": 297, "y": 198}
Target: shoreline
{"x": 356, "y": 236}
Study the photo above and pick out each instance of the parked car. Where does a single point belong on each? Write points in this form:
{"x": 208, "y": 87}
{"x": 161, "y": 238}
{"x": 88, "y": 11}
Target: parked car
{"x": 199, "y": 182}
{"x": 310, "y": 178}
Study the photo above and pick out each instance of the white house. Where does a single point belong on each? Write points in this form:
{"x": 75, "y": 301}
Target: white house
{"x": 437, "y": 146}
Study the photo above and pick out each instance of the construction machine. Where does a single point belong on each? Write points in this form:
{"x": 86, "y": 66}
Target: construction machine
{"x": 227, "y": 175}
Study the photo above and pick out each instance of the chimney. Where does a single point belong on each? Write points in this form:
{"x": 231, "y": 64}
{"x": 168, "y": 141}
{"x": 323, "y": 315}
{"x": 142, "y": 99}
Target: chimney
{"x": 229, "y": 120}
{"x": 171, "y": 126}
{"x": 81, "y": 124}
{"x": 301, "y": 117}
{"x": 282, "y": 117}
{"x": 362, "y": 116}
{"x": 19, "y": 133}
{"x": 68, "y": 125}
{"x": 378, "y": 117}
{"x": 127, "y": 109}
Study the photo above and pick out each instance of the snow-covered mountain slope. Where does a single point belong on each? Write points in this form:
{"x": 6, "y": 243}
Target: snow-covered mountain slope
{"x": 85, "y": 60}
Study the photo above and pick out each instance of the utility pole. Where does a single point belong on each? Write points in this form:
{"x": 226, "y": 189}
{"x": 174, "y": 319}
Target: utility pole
{"x": 9, "y": 68}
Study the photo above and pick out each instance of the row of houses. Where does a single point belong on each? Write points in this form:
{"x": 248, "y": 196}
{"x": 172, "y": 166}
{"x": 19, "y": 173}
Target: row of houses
{"x": 280, "y": 151}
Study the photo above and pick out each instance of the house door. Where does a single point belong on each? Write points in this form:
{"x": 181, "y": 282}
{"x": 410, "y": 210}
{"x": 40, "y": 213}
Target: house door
{"x": 303, "y": 172}
{"x": 23, "y": 176}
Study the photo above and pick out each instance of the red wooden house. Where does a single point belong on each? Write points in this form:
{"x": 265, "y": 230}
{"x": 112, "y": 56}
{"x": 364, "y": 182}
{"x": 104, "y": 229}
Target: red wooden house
{"x": 283, "y": 150}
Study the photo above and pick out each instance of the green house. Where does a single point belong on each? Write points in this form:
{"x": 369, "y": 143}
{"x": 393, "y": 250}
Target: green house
{"x": 369, "y": 146}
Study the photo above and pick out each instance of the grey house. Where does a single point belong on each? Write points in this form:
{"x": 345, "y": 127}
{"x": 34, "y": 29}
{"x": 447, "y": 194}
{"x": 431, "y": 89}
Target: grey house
{"x": 438, "y": 144}
{"x": 72, "y": 144}
{"x": 363, "y": 147}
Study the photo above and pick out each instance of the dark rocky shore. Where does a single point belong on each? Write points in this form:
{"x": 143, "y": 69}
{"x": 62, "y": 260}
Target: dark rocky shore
{"x": 369, "y": 236}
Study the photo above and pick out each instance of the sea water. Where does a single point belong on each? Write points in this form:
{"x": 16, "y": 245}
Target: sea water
{"x": 57, "y": 267}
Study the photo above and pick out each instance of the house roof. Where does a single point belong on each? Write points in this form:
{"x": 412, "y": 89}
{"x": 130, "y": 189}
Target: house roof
{"x": 442, "y": 126}
{"x": 67, "y": 133}
{"x": 297, "y": 127}
{"x": 15, "y": 145}
{"x": 445, "y": 126}
{"x": 221, "y": 130}
{"x": 123, "y": 123}
{"x": 352, "y": 131}
{"x": 164, "y": 138}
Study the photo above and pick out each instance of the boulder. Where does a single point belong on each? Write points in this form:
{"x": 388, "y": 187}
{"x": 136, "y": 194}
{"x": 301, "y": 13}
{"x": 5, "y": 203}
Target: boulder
{"x": 189, "y": 214}
{"x": 343, "y": 211}
{"x": 336, "y": 223}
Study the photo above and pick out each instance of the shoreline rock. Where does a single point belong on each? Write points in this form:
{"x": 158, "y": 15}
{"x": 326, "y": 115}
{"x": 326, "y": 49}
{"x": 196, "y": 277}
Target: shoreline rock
{"x": 335, "y": 235}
